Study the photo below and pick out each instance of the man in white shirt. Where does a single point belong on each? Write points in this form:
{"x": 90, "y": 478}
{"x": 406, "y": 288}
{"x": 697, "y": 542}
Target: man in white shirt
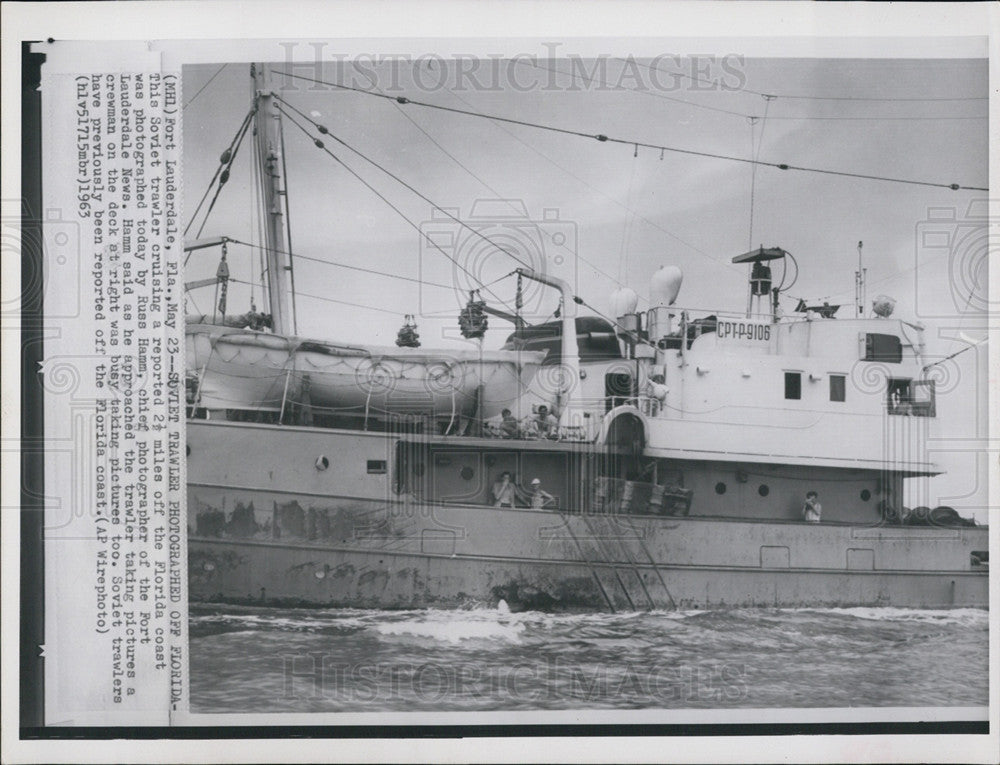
{"x": 539, "y": 497}
{"x": 812, "y": 510}
{"x": 543, "y": 424}
{"x": 504, "y": 491}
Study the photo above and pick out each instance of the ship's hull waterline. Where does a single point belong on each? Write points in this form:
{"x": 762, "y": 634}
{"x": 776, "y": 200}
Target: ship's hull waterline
{"x": 268, "y": 527}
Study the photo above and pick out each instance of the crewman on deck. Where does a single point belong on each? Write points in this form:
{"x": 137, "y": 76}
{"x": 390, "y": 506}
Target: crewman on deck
{"x": 504, "y": 491}
{"x": 543, "y": 424}
{"x": 509, "y": 426}
{"x": 812, "y": 509}
{"x": 539, "y": 497}
{"x": 503, "y": 425}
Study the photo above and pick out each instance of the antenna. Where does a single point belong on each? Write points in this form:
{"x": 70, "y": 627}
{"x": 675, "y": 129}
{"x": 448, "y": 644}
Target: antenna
{"x": 860, "y": 291}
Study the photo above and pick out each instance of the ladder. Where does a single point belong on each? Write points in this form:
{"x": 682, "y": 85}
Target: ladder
{"x": 588, "y": 561}
{"x": 609, "y": 537}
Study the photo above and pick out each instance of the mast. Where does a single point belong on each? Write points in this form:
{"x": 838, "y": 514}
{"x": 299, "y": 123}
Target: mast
{"x": 860, "y": 277}
{"x": 268, "y": 136}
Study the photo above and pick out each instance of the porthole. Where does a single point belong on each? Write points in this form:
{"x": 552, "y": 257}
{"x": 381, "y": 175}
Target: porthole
{"x": 322, "y": 463}
{"x": 720, "y": 488}
{"x": 467, "y": 473}
{"x": 764, "y": 490}
{"x": 865, "y": 495}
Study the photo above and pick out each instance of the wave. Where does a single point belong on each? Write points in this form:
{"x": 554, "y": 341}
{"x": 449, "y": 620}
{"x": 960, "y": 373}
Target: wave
{"x": 971, "y": 617}
{"x": 456, "y": 630}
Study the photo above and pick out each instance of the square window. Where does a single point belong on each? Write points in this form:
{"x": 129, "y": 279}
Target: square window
{"x": 838, "y": 388}
{"x": 376, "y": 467}
{"x": 793, "y": 385}
{"x": 887, "y": 348}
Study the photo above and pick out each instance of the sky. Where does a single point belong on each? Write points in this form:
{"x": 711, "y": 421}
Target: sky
{"x": 601, "y": 214}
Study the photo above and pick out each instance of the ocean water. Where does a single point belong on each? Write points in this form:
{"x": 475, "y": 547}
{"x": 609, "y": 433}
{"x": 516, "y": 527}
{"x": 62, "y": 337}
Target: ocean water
{"x": 343, "y": 660}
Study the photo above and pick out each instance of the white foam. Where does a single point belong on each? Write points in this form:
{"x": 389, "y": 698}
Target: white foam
{"x": 454, "y": 630}
{"x": 967, "y": 616}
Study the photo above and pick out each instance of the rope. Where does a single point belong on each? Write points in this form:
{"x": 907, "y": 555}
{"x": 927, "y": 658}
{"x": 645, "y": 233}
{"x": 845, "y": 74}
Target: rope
{"x": 319, "y": 144}
{"x": 215, "y": 177}
{"x": 225, "y": 174}
{"x": 630, "y": 142}
{"x": 210, "y": 80}
{"x": 338, "y": 264}
{"x": 475, "y": 232}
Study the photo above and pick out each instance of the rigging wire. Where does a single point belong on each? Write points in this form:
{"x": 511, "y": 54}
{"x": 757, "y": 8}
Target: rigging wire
{"x": 210, "y": 79}
{"x": 753, "y": 175}
{"x": 333, "y": 300}
{"x": 573, "y": 253}
{"x": 626, "y": 228}
{"x": 319, "y": 144}
{"x": 543, "y": 230}
{"x": 755, "y": 153}
{"x": 812, "y": 98}
{"x": 605, "y": 84}
{"x": 773, "y": 96}
{"x": 338, "y": 264}
{"x": 288, "y": 229}
{"x": 569, "y": 251}
{"x": 613, "y": 200}
{"x": 224, "y": 176}
{"x": 257, "y": 218}
{"x": 322, "y": 129}
{"x": 882, "y": 119}
{"x": 629, "y": 142}
{"x": 218, "y": 171}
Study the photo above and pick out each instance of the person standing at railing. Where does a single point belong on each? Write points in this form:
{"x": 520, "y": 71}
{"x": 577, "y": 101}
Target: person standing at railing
{"x": 504, "y": 491}
{"x": 539, "y": 497}
{"x": 812, "y": 510}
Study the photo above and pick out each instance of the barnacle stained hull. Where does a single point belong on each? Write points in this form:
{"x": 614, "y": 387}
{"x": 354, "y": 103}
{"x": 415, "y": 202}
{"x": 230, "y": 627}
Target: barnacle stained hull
{"x": 268, "y": 525}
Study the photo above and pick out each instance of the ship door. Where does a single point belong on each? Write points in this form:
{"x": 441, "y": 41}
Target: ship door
{"x": 627, "y": 437}
{"x": 618, "y": 389}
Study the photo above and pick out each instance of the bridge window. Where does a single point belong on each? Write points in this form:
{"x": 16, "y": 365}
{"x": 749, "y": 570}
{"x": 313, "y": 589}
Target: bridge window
{"x": 793, "y": 385}
{"x": 887, "y": 348}
{"x": 838, "y": 388}
{"x": 910, "y": 397}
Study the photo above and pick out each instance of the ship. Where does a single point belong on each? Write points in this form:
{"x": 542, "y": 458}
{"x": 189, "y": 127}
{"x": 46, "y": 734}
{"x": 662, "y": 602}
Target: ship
{"x": 674, "y": 458}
